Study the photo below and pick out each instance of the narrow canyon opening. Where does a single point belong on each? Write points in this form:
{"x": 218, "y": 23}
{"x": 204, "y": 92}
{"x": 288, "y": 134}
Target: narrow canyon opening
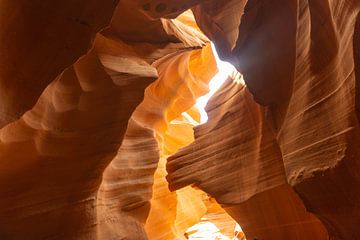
{"x": 216, "y": 224}
{"x": 197, "y": 215}
{"x": 119, "y": 121}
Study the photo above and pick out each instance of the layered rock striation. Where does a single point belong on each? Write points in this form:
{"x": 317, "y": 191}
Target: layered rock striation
{"x": 100, "y": 135}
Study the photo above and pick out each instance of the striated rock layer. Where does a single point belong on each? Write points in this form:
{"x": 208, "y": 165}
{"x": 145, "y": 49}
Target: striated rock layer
{"x": 299, "y": 60}
{"x": 54, "y": 156}
{"x": 96, "y": 95}
{"x": 237, "y": 160}
{"x": 56, "y": 186}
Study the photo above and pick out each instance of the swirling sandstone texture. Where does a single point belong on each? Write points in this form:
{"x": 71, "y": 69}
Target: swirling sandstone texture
{"x": 237, "y": 149}
{"x": 100, "y": 135}
{"x": 300, "y": 59}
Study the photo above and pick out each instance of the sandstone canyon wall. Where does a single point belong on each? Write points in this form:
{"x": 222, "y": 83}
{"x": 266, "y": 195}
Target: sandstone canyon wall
{"x": 100, "y": 134}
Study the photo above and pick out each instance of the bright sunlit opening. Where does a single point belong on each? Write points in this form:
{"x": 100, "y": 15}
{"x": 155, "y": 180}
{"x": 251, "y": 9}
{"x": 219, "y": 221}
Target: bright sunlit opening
{"x": 225, "y": 70}
{"x": 206, "y": 230}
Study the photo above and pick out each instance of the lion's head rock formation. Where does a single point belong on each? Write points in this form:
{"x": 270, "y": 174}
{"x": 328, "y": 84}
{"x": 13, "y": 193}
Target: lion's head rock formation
{"x": 101, "y": 136}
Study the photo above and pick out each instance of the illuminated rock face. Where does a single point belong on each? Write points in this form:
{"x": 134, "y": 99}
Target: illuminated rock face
{"x": 238, "y": 161}
{"x": 97, "y": 108}
{"x": 300, "y": 59}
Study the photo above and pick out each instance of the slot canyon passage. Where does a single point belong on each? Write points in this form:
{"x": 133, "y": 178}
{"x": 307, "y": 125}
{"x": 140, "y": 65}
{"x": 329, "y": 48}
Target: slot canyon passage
{"x": 180, "y": 119}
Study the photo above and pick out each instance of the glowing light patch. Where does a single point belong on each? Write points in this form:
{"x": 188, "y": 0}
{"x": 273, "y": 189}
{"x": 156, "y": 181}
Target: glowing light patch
{"x": 225, "y": 70}
{"x": 205, "y": 230}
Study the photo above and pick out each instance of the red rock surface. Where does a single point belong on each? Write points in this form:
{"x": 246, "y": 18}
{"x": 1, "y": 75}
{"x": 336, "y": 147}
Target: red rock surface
{"x": 239, "y": 163}
{"x": 97, "y": 108}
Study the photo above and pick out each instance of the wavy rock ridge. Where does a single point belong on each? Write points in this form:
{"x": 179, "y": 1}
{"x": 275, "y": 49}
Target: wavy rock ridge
{"x": 99, "y": 134}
